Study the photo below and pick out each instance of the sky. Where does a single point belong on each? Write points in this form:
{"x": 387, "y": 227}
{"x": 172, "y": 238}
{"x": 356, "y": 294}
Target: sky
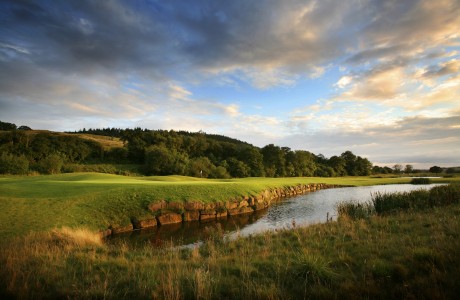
{"x": 378, "y": 78}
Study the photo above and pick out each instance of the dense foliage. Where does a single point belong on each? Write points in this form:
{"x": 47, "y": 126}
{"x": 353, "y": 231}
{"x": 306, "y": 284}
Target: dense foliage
{"x": 162, "y": 152}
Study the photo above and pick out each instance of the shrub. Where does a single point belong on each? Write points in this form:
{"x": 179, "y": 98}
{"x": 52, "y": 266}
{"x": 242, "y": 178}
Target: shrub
{"x": 12, "y": 164}
{"x": 51, "y": 164}
{"x": 420, "y": 181}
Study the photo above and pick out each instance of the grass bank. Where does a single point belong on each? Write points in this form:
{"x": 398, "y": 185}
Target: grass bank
{"x": 411, "y": 254}
{"x": 95, "y": 201}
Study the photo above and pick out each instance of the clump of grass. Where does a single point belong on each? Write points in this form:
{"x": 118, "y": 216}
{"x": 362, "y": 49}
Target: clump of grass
{"x": 76, "y": 236}
{"x": 355, "y": 210}
{"x": 313, "y": 269}
{"x": 421, "y": 180}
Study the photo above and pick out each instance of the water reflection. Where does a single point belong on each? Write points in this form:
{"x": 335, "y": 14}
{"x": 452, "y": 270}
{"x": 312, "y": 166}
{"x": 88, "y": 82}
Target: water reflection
{"x": 313, "y": 207}
{"x": 188, "y": 232}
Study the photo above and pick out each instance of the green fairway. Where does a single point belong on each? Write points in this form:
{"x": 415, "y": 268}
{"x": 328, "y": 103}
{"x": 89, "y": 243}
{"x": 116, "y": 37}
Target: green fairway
{"x": 95, "y": 201}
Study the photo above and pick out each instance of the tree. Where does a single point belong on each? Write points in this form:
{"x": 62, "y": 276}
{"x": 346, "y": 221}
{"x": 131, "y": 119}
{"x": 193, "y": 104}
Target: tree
{"x": 237, "y": 168}
{"x": 451, "y": 170}
{"x": 304, "y": 163}
{"x": 200, "y": 167}
{"x": 252, "y": 157}
{"x": 12, "y": 164}
{"x": 219, "y": 172}
{"x": 324, "y": 171}
{"x": 350, "y": 162}
{"x": 51, "y": 164}
{"x": 162, "y": 161}
{"x": 436, "y": 169}
{"x": 397, "y": 168}
{"x": 408, "y": 169}
{"x": 338, "y": 164}
{"x": 274, "y": 160}
{"x": 363, "y": 166}
{"x": 7, "y": 126}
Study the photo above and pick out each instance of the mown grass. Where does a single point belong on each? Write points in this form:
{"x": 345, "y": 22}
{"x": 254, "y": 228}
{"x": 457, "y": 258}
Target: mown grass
{"x": 402, "y": 255}
{"x": 95, "y": 201}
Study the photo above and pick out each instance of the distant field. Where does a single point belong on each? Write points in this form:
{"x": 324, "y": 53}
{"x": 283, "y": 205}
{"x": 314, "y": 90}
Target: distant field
{"x": 93, "y": 200}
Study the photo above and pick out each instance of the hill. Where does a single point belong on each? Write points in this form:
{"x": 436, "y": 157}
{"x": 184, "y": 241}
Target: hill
{"x": 162, "y": 152}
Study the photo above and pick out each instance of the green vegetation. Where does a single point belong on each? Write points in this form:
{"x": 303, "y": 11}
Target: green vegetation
{"x": 96, "y": 201}
{"x": 383, "y": 204}
{"x": 411, "y": 254}
{"x": 420, "y": 180}
{"x": 162, "y": 152}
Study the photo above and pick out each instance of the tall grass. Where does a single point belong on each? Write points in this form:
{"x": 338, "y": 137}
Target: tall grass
{"x": 384, "y": 203}
{"x": 411, "y": 255}
{"x": 420, "y": 180}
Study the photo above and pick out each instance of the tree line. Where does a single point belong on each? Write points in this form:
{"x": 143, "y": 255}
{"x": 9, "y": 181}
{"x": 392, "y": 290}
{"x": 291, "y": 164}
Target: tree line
{"x": 167, "y": 152}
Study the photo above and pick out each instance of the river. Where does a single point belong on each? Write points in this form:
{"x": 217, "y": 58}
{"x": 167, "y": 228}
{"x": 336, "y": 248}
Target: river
{"x": 302, "y": 210}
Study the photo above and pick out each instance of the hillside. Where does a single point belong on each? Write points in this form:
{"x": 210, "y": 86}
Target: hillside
{"x": 162, "y": 152}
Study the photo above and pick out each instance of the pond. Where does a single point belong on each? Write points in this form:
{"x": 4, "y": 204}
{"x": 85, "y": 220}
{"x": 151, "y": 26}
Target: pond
{"x": 302, "y": 210}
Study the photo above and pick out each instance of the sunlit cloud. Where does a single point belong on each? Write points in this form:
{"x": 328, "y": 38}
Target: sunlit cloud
{"x": 322, "y": 75}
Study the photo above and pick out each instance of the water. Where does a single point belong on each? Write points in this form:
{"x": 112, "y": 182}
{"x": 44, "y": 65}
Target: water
{"x": 303, "y": 210}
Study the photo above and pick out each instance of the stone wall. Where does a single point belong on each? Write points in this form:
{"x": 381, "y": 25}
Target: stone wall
{"x": 163, "y": 213}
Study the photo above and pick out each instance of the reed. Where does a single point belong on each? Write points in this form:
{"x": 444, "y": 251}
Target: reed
{"x": 421, "y": 180}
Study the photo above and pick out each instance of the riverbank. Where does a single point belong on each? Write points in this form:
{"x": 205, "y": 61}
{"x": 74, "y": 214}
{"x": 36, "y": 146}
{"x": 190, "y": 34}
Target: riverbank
{"x": 100, "y": 201}
{"x": 403, "y": 254}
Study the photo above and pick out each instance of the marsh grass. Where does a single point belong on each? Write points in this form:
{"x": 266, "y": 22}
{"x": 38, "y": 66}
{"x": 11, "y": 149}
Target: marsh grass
{"x": 420, "y": 180}
{"x": 355, "y": 210}
{"x": 384, "y": 203}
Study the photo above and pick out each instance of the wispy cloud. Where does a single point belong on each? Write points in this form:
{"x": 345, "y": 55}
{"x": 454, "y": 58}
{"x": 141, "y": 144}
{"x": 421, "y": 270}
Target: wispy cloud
{"x": 374, "y": 64}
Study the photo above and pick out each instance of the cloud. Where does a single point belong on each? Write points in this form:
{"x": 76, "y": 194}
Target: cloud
{"x": 415, "y": 140}
{"x": 123, "y": 63}
{"x": 343, "y": 82}
{"x": 445, "y": 68}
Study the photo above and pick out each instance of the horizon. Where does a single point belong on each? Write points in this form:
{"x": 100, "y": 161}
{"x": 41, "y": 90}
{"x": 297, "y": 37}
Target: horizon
{"x": 380, "y": 79}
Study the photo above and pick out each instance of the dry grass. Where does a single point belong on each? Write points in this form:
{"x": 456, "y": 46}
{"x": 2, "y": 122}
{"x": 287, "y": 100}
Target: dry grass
{"x": 404, "y": 255}
{"x": 80, "y": 237}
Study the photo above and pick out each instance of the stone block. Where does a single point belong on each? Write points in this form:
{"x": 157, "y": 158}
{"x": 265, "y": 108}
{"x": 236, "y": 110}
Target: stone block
{"x": 169, "y": 218}
{"x": 193, "y": 205}
{"x": 147, "y": 223}
{"x": 192, "y": 215}
{"x": 156, "y": 206}
{"x": 127, "y": 228}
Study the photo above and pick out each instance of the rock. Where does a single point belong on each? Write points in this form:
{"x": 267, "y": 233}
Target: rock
{"x": 243, "y": 203}
{"x": 222, "y": 214}
{"x": 210, "y": 206}
{"x": 156, "y": 206}
{"x": 191, "y": 215}
{"x": 175, "y": 206}
{"x": 207, "y": 214}
{"x": 169, "y": 218}
{"x": 241, "y": 210}
{"x": 193, "y": 205}
{"x": 259, "y": 206}
{"x": 231, "y": 205}
{"x": 147, "y": 223}
{"x": 127, "y": 228}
